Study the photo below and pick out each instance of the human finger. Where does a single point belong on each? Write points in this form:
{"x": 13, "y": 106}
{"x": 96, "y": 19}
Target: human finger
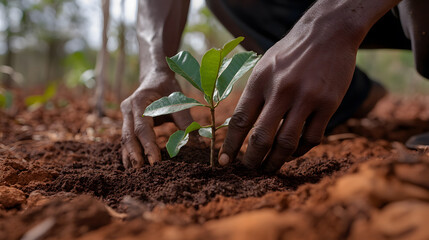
{"x": 245, "y": 115}
{"x": 132, "y": 151}
{"x": 143, "y": 130}
{"x": 313, "y": 132}
{"x": 262, "y": 137}
{"x": 125, "y": 158}
{"x": 286, "y": 140}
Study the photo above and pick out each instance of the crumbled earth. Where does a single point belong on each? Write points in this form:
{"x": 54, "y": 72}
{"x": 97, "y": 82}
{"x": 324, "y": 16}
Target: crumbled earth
{"x": 61, "y": 177}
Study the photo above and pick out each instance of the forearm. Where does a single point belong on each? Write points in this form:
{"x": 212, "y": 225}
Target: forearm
{"x": 348, "y": 20}
{"x": 159, "y": 30}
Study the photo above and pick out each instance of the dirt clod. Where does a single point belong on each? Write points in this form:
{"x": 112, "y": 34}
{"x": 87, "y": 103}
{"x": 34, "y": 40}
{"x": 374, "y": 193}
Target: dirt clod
{"x": 11, "y": 197}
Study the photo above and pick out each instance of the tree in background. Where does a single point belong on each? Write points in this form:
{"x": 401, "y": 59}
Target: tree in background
{"x": 13, "y": 26}
{"x": 39, "y": 28}
{"x": 212, "y": 31}
{"x": 102, "y": 62}
{"x": 57, "y": 22}
{"x": 120, "y": 63}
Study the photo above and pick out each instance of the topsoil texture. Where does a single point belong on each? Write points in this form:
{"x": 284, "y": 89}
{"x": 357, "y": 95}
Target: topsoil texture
{"x": 49, "y": 158}
{"x": 188, "y": 179}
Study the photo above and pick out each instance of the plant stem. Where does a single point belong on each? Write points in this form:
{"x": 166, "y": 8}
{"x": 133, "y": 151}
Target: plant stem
{"x": 212, "y": 145}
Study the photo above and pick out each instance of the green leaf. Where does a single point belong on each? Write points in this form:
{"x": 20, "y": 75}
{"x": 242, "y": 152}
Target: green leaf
{"x": 225, "y": 64}
{"x": 2, "y": 101}
{"x": 176, "y": 141}
{"x": 224, "y": 124}
{"x": 205, "y": 132}
{"x": 50, "y": 91}
{"x": 207, "y": 98}
{"x": 33, "y": 100}
{"x": 186, "y": 66}
{"x": 6, "y": 99}
{"x": 228, "y": 47}
{"x": 209, "y": 70}
{"x": 179, "y": 139}
{"x": 175, "y": 102}
{"x": 39, "y": 100}
{"x": 192, "y": 127}
{"x": 237, "y": 67}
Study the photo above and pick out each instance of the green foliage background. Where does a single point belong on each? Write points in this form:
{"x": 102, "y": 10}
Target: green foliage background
{"x": 36, "y": 33}
{"x": 395, "y": 69}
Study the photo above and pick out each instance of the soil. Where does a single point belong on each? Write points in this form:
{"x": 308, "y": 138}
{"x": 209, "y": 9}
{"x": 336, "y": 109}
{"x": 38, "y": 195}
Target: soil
{"x": 61, "y": 177}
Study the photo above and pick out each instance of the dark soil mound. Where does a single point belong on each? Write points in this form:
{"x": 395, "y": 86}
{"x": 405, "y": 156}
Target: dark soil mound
{"x": 96, "y": 169}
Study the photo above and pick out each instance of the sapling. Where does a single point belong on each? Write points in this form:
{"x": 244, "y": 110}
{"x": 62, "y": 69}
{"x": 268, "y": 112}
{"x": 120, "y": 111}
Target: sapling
{"x": 214, "y": 79}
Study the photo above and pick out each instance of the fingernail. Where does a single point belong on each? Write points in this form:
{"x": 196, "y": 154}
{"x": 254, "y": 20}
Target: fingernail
{"x": 151, "y": 160}
{"x": 135, "y": 160}
{"x": 223, "y": 159}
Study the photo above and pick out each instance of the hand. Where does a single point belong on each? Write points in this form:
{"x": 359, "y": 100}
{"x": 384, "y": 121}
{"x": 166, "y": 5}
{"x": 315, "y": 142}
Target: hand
{"x": 294, "y": 90}
{"x": 137, "y": 131}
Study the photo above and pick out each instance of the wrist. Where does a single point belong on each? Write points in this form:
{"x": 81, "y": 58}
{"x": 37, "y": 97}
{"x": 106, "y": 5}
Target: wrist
{"x": 156, "y": 71}
{"x": 347, "y": 20}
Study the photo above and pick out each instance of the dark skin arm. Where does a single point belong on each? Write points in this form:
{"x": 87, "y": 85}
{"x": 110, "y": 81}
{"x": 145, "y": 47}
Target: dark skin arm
{"x": 299, "y": 83}
{"x": 160, "y": 27}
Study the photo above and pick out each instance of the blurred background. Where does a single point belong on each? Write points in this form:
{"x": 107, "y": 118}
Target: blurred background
{"x": 49, "y": 43}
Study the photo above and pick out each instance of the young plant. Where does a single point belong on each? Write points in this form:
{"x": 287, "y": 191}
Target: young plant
{"x": 35, "y": 101}
{"x": 215, "y": 79}
{"x": 6, "y": 99}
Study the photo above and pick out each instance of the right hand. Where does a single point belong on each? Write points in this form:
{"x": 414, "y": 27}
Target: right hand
{"x": 138, "y": 135}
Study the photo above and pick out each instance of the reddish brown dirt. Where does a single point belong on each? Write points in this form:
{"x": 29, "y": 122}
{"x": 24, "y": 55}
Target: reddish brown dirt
{"x": 61, "y": 177}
